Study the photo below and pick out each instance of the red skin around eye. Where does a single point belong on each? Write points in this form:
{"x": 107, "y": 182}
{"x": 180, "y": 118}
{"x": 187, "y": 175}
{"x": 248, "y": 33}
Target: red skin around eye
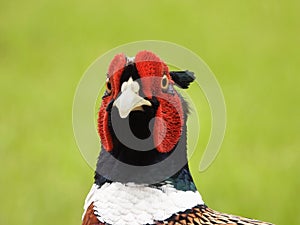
{"x": 115, "y": 71}
{"x": 170, "y": 108}
{"x": 167, "y": 134}
{"x": 103, "y": 130}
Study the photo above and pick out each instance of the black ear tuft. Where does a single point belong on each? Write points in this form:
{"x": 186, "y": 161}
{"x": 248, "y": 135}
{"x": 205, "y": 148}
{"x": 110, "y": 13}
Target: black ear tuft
{"x": 182, "y": 78}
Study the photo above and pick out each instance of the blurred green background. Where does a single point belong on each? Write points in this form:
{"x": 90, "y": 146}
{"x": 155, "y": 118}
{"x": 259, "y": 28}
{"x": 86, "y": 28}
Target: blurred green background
{"x": 252, "y": 47}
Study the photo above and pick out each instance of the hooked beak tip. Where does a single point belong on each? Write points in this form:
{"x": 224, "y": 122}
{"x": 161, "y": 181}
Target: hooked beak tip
{"x": 129, "y": 99}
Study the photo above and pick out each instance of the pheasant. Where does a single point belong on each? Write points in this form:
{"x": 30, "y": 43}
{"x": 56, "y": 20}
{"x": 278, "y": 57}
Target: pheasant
{"x": 142, "y": 174}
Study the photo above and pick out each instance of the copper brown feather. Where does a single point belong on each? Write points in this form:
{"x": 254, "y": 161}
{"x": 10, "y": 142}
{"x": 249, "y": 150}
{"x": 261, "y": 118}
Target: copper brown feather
{"x": 202, "y": 215}
{"x": 90, "y": 218}
{"x": 146, "y": 65}
{"x": 199, "y": 215}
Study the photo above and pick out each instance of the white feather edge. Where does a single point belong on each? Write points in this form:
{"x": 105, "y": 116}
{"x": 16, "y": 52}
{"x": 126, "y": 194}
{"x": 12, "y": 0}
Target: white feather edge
{"x": 137, "y": 204}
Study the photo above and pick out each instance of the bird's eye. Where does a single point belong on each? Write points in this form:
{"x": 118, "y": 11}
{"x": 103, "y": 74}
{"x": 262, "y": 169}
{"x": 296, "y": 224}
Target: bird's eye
{"x": 164, "y": 82}
{"x": 108, "y": 86}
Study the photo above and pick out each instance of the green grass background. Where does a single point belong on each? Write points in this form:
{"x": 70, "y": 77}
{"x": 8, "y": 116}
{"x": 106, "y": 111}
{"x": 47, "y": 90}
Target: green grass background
{"x": 252, "y": 47}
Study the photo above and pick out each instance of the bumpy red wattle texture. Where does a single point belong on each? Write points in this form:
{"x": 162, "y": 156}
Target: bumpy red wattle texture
{"x": 103, "y": 130}
{"x": 115, "y": 70}
{"x": 149, "y": 65}
{"x": 167, "y": 133}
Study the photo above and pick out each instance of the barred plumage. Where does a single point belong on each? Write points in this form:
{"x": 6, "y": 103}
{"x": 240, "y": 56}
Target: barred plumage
{"x": 131, "y": 200}
{"x": 203, "y": 215}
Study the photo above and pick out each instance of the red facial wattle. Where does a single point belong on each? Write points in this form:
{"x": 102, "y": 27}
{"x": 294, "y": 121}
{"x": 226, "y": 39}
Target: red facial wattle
{"x": 167, "y": 133}
{"x": 114, "y": 75}
{"x": 167, "y": 130}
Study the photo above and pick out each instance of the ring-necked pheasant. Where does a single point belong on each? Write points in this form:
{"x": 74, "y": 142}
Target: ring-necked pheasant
{"x": 133, "y": 184}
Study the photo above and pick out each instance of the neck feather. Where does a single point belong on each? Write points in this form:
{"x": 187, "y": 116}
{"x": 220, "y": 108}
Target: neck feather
{"x": 108, "y": 163}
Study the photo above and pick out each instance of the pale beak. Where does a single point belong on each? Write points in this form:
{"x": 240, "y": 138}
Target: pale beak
{"x": 129, "y": 99}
